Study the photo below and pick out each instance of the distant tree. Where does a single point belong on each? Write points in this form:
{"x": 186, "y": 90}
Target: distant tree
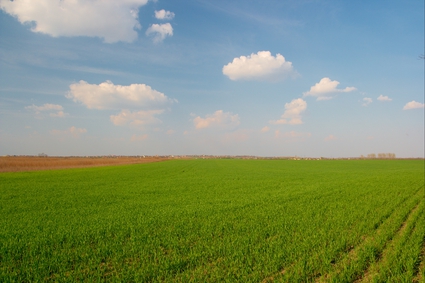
{"x": 382, "y": 155}
{"x": 371, "y": 155}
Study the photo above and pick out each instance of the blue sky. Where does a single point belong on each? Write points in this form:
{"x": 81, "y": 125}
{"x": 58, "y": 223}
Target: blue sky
{"x": 267, "y": 78}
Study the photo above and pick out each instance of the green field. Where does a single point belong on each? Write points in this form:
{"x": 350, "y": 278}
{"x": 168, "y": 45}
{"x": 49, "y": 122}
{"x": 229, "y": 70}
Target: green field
{"x": 216, "y": 221}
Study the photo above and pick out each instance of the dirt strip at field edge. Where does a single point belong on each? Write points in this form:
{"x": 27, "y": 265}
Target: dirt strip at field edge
{"x": 20, "y": 164}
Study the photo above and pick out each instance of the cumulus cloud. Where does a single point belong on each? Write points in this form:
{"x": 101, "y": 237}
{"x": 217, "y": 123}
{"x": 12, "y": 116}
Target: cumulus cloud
{"x": 324, "y": 89}
{"x": 47, "y": 107}
{"x": 413, "y": 105}
{"x": 109, "y": 96}
{"x": 137, "y": 119}
{"x": 219, "y": 119}
{"x": 367, "y": 101}
{"x": 292, "y": 114}
{"x": 72, "y": 131}
{"x": 164, "y": 15}
{"x": 108, "y": 19}
{"x": 160, "y": 31}
{"x": 260, "y": 66}
{"x": 384, "y": 98}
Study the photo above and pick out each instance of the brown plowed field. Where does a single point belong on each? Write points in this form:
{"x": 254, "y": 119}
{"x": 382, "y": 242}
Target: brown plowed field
{"x": 32, "y": 163}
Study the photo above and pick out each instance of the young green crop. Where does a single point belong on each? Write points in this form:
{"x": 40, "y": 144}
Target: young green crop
{"x": 214, "y": 221}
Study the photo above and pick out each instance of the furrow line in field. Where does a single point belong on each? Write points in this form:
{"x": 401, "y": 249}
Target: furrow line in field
{"x": 351, "y": 254}
{"x": 390, "y": 247}
{"x": 420, "y": 275}
{"x": 272, "y": 277}
{"x": 359, "y": 258}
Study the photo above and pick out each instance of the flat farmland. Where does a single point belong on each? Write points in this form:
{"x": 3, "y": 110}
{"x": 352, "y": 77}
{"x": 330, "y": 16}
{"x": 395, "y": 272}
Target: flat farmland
{"x": 216, "y": 221}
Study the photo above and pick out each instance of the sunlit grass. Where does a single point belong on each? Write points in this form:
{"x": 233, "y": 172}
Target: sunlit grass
{"x": 214, "y": 221}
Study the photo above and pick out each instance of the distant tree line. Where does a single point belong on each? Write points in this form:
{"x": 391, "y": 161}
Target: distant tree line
{"x": 379, "y": 156}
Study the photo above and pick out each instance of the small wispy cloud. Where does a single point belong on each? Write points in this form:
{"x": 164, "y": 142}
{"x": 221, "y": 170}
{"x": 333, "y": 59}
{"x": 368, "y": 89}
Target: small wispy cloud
{"x": 384, "y": 98}
{"x": 164, "y": 15}
{"x": 138, "y": 119}
{"x": 160, "y": 31}
{"x": 218, "y": 119}
{"x": 367, "y": 101}
{"x": 54, "y": 110}
{"x": 292, "y": 114}
{"x": 326, "y": 88}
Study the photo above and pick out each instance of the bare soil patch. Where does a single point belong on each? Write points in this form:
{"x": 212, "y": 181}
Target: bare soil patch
{"x": 33, "y": 163}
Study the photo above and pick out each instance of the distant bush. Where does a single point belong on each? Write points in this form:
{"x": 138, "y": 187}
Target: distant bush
{"x": 380, "y": 156}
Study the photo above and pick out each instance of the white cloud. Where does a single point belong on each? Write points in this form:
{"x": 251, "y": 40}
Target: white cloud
{"x": 413, "y": 105}
{"x": 73, "y": 131}
{"x": 324, "y": 88}
{"x": 260, "y": 66}
{"x": 47, "y": 107}
{"x": 164, "y": 15}
{"x": 219, "y": 119}
{"x": 367, "y": 101}
{"x": 109, "y": 96}
{"x": 292, "y": 114}
{"x": 160, "y": 31}
{"x": 384, "y": 98}
{"x": 330, "y": 138}
{"x": 137, "y": 119}
{"x": 108, "y": 19}
{"x": 135, "y": 138}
